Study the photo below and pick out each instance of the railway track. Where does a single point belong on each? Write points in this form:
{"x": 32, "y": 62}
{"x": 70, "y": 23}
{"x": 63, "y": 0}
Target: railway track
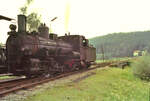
{"x": 24, "y": 83}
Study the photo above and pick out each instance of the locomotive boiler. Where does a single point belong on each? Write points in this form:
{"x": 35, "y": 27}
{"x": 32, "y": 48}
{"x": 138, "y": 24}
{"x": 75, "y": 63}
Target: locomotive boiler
{"x": 41, "y": 53}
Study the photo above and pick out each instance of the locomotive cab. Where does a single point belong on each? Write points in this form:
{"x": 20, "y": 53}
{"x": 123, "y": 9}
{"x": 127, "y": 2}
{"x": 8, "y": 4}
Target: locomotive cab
{"x": 81, "y": 45}
{"x": 88, "y": 51}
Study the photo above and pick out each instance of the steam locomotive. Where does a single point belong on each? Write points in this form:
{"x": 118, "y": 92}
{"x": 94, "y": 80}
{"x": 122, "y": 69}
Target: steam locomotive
{"x": 41, "y": 53}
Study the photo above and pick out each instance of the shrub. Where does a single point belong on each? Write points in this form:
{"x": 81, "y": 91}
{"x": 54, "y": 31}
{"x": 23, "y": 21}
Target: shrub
{"x": 141, "y": 67}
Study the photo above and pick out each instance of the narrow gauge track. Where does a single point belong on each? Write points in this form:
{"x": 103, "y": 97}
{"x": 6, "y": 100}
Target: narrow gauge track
{"x": 4, "y": 81}
{"x": 14, "y": 85}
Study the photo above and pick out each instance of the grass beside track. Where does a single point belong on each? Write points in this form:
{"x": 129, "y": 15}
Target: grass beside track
{"x": 111, "y": 84}
{"x": 113, "y": 59}
{"x": 6, "y": 77}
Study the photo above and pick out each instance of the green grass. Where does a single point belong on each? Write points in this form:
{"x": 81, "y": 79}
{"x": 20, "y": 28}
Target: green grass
{"x": 107, "y": 85}
{"x": 6, "y": 77}
{"x": 141, "y": 67}
{"x": 113, "y": 59}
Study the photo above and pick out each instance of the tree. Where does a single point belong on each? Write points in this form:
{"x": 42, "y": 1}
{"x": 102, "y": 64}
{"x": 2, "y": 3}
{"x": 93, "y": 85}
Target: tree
{"x": 33, "y": 19}
{"x": 122, "y": 44}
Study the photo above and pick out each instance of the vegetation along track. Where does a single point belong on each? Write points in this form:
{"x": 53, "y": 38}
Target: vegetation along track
{"x": 14, "y": 85}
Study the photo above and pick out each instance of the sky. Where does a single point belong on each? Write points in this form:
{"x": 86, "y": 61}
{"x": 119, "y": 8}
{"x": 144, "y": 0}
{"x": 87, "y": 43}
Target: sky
{"x": 85, "y": 17}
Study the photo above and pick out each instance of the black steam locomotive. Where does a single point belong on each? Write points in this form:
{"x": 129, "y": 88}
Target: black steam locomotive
{"x": 40, "y": 53}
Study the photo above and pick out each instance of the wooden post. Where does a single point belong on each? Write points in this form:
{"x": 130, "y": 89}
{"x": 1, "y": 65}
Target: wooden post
{"x": 103, "y": 55}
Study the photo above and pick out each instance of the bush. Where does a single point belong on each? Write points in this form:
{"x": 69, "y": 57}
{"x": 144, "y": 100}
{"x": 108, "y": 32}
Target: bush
{"x": 141, "y": 67}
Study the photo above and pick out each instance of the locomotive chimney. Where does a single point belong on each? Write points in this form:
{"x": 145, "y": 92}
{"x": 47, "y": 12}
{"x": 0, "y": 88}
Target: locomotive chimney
{"x": 21, "y": 23}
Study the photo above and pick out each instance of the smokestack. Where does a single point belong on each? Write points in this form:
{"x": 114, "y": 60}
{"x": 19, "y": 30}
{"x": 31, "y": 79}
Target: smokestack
{"x": 21, "y": 23}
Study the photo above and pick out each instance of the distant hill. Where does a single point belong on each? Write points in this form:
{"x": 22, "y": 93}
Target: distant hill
{"x": 121, "y": 44}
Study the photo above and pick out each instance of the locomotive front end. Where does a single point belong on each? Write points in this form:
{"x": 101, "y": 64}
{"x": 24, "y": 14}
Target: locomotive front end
{"x": 34, "y": 53}
{"x": 14, "y": 45}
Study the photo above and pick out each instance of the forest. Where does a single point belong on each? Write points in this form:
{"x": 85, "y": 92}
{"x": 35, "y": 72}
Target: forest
{"x": 121, "y": 44}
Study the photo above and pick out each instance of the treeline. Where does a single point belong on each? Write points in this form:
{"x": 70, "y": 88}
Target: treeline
{"x": 121, "y": 44}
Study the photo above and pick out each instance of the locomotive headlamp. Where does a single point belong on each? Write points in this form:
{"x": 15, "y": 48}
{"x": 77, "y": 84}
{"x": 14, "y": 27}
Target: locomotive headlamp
{"x": 13, "y": 30}
{"x": 13, "y": 27}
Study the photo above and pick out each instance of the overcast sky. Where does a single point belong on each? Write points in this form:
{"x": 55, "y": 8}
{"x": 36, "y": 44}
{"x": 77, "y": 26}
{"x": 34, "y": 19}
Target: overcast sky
{"x": 87, "y": 17}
